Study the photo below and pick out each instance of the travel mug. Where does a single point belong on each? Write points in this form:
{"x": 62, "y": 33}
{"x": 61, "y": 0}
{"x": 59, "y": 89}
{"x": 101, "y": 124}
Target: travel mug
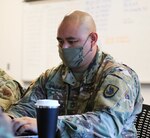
{"x": 47, "y": 114}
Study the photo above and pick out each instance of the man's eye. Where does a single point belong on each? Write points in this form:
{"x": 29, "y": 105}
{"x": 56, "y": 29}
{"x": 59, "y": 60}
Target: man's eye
{"x": 60, "y": 42}
{"x": 73, "y": 42}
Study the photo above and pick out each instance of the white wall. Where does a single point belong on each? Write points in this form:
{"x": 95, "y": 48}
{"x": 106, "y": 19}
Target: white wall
{"x": 145, "y": 89}
{"x": 10, "y": 36}
{"x": 11, "y": 41}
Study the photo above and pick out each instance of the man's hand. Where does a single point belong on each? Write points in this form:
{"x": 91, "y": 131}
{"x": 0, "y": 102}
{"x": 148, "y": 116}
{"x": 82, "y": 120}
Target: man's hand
{"x": 23, "y": 125}
{"x": 5, "y": 125}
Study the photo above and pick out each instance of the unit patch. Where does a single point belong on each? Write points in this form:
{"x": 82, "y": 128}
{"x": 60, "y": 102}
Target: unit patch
{"x": 110, "y": 91}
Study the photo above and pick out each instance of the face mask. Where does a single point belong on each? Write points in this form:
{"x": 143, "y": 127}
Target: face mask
{"x": 72, "y": 57}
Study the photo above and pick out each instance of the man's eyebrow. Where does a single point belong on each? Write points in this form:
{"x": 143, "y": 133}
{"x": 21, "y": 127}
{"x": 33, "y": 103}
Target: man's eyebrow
{"x": 71, "y": 38}
{"x": 68, "y": 38}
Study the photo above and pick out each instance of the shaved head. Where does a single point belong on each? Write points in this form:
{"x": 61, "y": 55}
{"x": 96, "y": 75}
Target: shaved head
{"x": 80, "y": 20}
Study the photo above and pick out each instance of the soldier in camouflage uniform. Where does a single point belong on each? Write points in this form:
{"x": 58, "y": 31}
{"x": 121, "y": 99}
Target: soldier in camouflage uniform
{"x": 99, "y": 97}
{"x": 10, "y": 90}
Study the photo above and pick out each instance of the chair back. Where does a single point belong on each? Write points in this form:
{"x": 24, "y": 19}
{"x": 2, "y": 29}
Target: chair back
{"x": 143, "y": 122}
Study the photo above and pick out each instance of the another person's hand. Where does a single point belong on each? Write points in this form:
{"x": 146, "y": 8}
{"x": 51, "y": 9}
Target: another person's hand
{"x": 7, "y": 117}
{"x": 5, "y": 126}
{"x": 23, "y": 125}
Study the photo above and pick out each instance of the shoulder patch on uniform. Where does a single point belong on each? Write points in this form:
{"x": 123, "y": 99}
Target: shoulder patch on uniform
{"x": 110, "y": 91}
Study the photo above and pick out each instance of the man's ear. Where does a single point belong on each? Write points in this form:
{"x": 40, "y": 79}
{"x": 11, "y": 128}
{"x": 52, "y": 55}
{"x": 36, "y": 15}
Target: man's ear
{"x": 94, "y": 38}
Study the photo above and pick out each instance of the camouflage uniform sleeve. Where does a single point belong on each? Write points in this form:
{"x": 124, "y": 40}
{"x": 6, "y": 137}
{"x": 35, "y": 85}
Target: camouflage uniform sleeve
{"x": 10, "y": 90}
{"x": 116, "y": 105}
{"x": 26, "y": 105}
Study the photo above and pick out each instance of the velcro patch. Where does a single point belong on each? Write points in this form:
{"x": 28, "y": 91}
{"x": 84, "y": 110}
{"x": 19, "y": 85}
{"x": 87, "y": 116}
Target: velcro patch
{"x": 110, "y": 91}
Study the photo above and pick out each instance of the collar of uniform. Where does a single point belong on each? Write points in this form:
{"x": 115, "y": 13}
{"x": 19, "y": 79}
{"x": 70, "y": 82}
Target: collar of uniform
{"x": 68, "y": 77}
{"x": 90, "y": 73}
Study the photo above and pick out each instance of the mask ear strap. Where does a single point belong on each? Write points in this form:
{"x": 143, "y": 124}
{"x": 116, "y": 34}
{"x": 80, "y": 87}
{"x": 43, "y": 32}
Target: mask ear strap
{"x": 90, "y": 48}
{"x": 87, "y": 52}
{"x": 82, "y": 57}
{"x": 86, "y": 40}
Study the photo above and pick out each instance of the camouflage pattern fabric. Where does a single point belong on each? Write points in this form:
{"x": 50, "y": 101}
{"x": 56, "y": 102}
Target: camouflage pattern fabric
{"x": 103, "y": 105}
{"x": 10, "y": 90}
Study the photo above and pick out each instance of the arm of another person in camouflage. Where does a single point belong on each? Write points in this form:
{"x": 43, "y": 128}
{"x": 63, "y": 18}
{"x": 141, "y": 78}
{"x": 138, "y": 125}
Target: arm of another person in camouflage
{"x": 26, "y": 105}
{"x": 114, "y": 112}
{"x": 10, "y": 90}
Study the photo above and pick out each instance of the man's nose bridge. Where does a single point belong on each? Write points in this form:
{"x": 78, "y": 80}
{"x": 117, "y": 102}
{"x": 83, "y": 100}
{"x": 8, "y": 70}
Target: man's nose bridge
{"x": 65, "y": 45}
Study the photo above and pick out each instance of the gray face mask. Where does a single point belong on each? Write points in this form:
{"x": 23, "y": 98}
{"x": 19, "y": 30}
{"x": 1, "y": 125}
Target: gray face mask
{"x": 72, "y": 57}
